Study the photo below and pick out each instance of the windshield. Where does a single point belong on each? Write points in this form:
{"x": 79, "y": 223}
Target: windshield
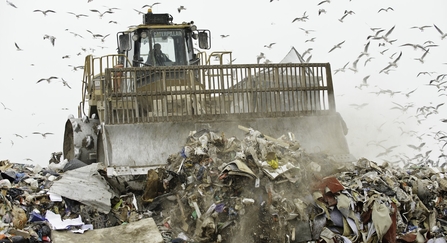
{"x": 163, "y": 47}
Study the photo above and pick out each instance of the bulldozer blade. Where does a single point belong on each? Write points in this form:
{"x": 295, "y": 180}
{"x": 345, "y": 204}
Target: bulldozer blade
{"x": 145, "y": 145}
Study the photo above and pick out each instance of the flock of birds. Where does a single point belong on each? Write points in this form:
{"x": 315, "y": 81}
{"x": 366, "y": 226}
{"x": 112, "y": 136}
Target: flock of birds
{"x": 384, "y": 39}
{"x": 440, "y": 82}
{"x": 381, "y": 37}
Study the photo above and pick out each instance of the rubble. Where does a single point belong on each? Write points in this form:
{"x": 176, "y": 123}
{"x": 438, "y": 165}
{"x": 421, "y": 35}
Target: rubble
{"x": 228, "y": 189}
{"x": 86, "y": 186}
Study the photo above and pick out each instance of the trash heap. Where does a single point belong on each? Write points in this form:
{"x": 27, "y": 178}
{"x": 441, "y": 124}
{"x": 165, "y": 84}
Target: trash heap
{"x": 229, "y": 189}
{"x": 23, "y": 200}
{"x": 260, "y": 189}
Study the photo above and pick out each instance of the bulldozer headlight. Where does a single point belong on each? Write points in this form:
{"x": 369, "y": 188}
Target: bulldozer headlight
{"x": 135, "y": 37}
{"x": 193, "y": 27}
{"x": 143, "y": 35}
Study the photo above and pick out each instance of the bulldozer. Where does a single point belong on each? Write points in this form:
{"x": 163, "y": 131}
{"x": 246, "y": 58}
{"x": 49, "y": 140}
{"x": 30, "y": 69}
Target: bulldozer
{"x": 136, "y": 108}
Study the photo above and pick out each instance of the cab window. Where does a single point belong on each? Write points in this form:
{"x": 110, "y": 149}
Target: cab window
{"x": 172, "y": 44}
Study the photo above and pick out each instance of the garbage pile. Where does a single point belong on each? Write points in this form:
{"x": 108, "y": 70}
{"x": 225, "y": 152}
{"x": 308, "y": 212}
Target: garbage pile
{"x": 229, "y": 189}
{"x": 23, "y": 200}
{"x": 261, "y": 189}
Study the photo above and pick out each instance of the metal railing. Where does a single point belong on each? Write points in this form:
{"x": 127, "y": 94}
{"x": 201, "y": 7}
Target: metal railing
{"x": 215, "y": 92}
{"x": 94, "y": 74}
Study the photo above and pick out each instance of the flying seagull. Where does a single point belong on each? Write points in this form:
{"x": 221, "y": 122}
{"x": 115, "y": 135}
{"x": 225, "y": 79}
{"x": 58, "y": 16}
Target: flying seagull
{"x": 47, "y": 79}
{"x": 421, "y": 59}
{"x": 443, "y": 35}
{"x": 385, "y": 9}
{"x": 4, "y": 107}
{"x": 376, "y": 35}
{"x": 270, "y": 45}
{"x": 78, "y": 15}
{"x": 392, "y": 64}
{"x": 403, "y": 108}
{"x": 354, "y": 66}
{"x": 337, "y": 46}
{"x": 51, "y": 38}
{"x": 308, "y": 59}
{"x": 421, "y": 28}
{"x": 306, "y": 31}
{"x": 368, "y": 60}
{"x": 44, "y": 135}
{"x": 387, "y": 150}
{"x": 358, "y": 107}
{"x": 44, "y": 11}
{"x": 383, "y": 52}
{"x": 11, "y": 4}
{"x": 111, "y": 9}
{"x": 365, "y": 80}
{"x": 416, "y": 147}
{"x": 18, "y": 135}
{"x": 103, "y": 38}
{"x": 260, "y": 56}
{"x": 325, "y": 1}
{"x": 138, "y": 11}
{"x": 95, "y": 35}
{"x": 101, "y": 14}
{"x": 307, "y": 52}
{"x": 304, "y": 18}
{"x": 365, "y": 50}
{"x": 17, "y": 46}
{"x": 343, "y": 69}
{"x": 408, "y": 94}
{"x": 150, "y": 5}
{"x": 311, "y": 39}
{"x": 76, "y": 34}
{"x": 415, "y": 46}
{"x": 349, "y": 12}
{"x": 179, "y": 9}
{"x": 424, "y": 73}
{"x": 65, "y": 83}
{"x": 341, "y": 19}
{"x": 385, "y": 37}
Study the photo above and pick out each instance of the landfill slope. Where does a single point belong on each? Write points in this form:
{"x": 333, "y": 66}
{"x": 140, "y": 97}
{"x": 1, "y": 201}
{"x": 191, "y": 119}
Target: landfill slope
{"x": 221, "y": 188}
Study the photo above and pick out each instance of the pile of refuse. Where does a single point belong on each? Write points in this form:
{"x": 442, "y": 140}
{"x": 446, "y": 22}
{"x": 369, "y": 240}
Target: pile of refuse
{"x": 229, "y": 189}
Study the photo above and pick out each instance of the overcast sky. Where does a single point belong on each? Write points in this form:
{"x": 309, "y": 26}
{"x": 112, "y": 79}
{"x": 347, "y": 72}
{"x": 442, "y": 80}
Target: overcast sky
{"x": 250, "y": 25}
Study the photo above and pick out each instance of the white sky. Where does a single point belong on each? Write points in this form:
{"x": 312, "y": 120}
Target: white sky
{"x": 250, "y": 24}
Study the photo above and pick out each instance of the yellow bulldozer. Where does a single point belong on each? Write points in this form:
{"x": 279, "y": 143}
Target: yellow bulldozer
{"x": 138, "y": 105}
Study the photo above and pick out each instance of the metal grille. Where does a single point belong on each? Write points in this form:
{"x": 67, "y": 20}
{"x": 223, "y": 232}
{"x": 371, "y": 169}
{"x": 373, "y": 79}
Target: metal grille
{"x": 216, "y": 92}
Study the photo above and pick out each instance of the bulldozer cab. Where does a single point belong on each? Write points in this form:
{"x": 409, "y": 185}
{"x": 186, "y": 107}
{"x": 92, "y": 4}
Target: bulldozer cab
{"x": 159, "y": 42}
